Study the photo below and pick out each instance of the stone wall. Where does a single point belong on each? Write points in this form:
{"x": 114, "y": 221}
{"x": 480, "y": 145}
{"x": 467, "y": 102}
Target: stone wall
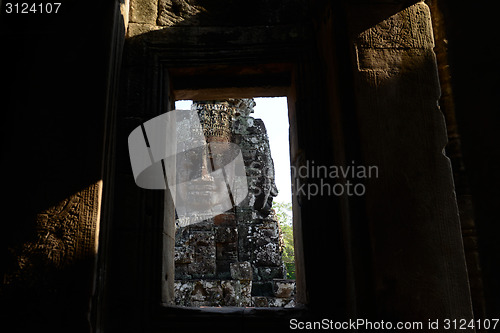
{"x": 235, "y": 258}
{"x": 153, "y": 15}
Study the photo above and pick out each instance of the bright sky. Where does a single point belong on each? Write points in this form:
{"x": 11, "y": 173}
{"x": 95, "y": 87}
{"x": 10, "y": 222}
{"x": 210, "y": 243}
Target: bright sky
{"x": 274, "y": 112}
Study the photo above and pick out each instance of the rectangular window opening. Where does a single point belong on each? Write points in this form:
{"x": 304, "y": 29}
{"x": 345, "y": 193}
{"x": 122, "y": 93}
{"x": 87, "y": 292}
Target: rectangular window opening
{"x": 242, "y": 256}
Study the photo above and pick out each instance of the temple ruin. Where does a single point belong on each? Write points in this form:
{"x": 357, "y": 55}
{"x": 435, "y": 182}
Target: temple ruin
{"x": 235, "y": 258}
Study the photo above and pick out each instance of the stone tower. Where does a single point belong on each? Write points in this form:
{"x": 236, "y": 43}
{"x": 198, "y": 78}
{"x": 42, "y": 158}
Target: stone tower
{"x": 235, "y": 258}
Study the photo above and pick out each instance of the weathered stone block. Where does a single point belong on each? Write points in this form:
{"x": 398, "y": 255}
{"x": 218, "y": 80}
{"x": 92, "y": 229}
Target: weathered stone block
{"x": 245, "y": 241}
{"x": 183, "y": 291}
{"x": 223, "y": 270}
{"x": 213, "y": 293}
{"x": 245, "y": 293}
{"x": 248, "y": 153}
{"x": 227, "y": 13}
{"x": 393, "y": 61}
{"x": 269, "y": 273}
{"x": 182, "y": 272}
{"x": 268, "y": 255}
{"x": 230, "y": 292}
{"x": 241, "y": 271}
{"x": 204, "y": 265}
{"x": 409, "y": 28}
{"x": 245, "y": 214}
{"x": 204, "y": 254}
{"x": 143, "y": 11}
{"x": 136, "y": 29}
{"x": 201, "y": 239}
{"x": 227, "y": 251}
{"x": 290, "y": 303}
{"x": 249, "y": 127}
{"x": 256, "y": 274}
{"x": 272, "y": 302}
{"x": 280, "y": 302}
{"x": 182, "y": 237}
{"x": 183, "y": 255}
{"x": 284, "y": 288}
{"x": 236, "y": 293}
{"x": 268, "y": 232}
{"x": 174, "y": 12}
{"x": 206, "y": 293}
{"x": 262, "y": 289}
{"x": 260, "y": 302}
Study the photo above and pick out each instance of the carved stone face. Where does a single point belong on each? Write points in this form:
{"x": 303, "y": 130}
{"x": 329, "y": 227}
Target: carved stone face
{"x": 230, "y": 121}
{"x": 211, "y": 178}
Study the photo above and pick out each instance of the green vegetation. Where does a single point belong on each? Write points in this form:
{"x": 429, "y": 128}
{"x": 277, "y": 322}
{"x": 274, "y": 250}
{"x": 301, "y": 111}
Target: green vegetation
{"x": 284, "y": 214}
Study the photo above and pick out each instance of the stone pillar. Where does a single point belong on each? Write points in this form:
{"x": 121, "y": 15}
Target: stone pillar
{"x": 417, "y": 249}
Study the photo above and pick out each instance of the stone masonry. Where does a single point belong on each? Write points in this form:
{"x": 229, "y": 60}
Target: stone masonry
{"x": 235, "y": 258}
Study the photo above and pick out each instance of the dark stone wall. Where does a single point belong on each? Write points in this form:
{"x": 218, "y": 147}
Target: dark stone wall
{"x": 469, "y": 29}
{"x": 54, "y": 88}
